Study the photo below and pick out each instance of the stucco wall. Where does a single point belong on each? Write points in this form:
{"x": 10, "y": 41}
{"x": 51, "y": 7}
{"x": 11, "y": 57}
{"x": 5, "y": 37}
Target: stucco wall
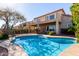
{"x": 57, "y": 15}
{"x": 66, "y": 22}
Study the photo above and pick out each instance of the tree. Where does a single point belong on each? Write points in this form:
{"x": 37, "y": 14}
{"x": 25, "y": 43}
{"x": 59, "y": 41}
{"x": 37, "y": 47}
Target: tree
{"x": 75, "y": 18}
{"x": 11, "y": 18}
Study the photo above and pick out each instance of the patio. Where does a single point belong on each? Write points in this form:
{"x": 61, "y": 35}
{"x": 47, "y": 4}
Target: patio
{"x": 9, "y": 49}
{"x": 71, "y": 51}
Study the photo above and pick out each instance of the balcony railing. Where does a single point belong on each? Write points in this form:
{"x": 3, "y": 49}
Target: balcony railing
{"x": 41, "y": 22}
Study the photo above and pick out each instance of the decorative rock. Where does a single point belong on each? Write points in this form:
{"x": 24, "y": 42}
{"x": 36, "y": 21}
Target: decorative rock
{"x": 3, "y": 51}
{"x": 9, "y": 49}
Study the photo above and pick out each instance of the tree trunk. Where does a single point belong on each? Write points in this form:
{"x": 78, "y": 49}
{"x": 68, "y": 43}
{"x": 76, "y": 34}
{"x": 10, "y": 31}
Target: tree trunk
{"x": 7, "y": 28}
{"x": 77, "y": 36}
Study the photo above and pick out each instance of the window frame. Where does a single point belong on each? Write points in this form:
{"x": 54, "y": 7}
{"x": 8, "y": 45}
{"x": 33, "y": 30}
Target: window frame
{"x": 54, "y": 17}
{"x": 48, "y": 28}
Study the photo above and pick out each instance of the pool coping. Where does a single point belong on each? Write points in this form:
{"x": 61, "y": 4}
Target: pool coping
{"x": 46, "y": 36}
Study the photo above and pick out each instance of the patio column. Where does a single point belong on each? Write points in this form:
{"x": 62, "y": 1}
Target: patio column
{"x": 57, "y": 27}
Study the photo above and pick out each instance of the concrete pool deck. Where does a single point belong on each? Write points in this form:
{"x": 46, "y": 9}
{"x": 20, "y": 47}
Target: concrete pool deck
{"x": 13, "y": 50}
{"x": 71, "y": 51}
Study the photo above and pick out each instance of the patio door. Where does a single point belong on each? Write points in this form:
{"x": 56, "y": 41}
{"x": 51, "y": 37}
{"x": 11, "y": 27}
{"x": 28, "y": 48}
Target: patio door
{"x": 51, "y": 28}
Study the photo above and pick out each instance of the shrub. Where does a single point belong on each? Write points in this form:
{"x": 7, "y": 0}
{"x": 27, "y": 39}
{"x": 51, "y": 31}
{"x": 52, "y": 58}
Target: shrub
{"x": 77, "y": 36}
{"x": 51, "y": 33}
{"x": 1, "y": 32}
{"x": 4, "y": 36}
{"x": 67, "y": 32}
{"x": 23, "y": 31}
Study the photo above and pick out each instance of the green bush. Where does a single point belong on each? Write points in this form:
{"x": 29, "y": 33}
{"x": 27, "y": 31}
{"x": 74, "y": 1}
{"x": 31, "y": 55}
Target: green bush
{"x": 77, "y": 35}
{"x": 51, "y": 33}
{"x": 71, "y": 30}
{"x": 4, "y": 36}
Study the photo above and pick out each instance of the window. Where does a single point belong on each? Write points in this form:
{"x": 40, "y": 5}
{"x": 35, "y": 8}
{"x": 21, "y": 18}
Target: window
{"x": 51, "y": 28}
{"x": 24, "y": 24}
{"x": 51, "y": 17}
{"x": 69, "y": 25}
{"x": 36, "y": 20}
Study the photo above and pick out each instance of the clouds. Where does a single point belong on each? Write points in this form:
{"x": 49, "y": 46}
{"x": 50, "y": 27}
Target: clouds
{"x": 32, "y": 10}
{"x": 4, "y": 5}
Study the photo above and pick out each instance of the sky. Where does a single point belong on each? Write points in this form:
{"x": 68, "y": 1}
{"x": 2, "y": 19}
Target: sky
{"x": 32, "y": 10}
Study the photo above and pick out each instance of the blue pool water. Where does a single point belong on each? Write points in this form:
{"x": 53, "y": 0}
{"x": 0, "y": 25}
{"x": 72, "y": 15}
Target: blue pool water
{"x": 38, "y": 45}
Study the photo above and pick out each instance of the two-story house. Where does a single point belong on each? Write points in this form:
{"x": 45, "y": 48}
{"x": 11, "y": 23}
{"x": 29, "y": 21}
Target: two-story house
{"x": 53, "y": 21}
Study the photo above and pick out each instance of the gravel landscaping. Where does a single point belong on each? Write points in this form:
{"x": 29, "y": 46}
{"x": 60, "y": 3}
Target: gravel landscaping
{"x": 3, "y": 51}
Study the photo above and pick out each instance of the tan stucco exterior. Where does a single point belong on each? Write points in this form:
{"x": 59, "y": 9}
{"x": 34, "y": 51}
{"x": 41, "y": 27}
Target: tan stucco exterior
{"x": 57, "y": 21}
{"x": 66, "y": 21}
{"x": 60, "y": 21}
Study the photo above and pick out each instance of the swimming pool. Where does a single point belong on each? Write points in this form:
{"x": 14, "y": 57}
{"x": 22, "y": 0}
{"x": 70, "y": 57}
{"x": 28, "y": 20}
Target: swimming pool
{"x": 38, "y": 45}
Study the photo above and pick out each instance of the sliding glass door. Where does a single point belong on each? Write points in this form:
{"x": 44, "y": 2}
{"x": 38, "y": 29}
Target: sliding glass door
{"x": 51, "y": 28}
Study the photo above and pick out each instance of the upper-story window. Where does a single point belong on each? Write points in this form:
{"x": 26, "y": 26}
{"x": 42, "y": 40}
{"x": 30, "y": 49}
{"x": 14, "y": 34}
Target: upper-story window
{"x": 69, "y": 25}
{"x": 51, "y": 17}
{"x": 36, "y": 20}
{"x": 24, "y": 24}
